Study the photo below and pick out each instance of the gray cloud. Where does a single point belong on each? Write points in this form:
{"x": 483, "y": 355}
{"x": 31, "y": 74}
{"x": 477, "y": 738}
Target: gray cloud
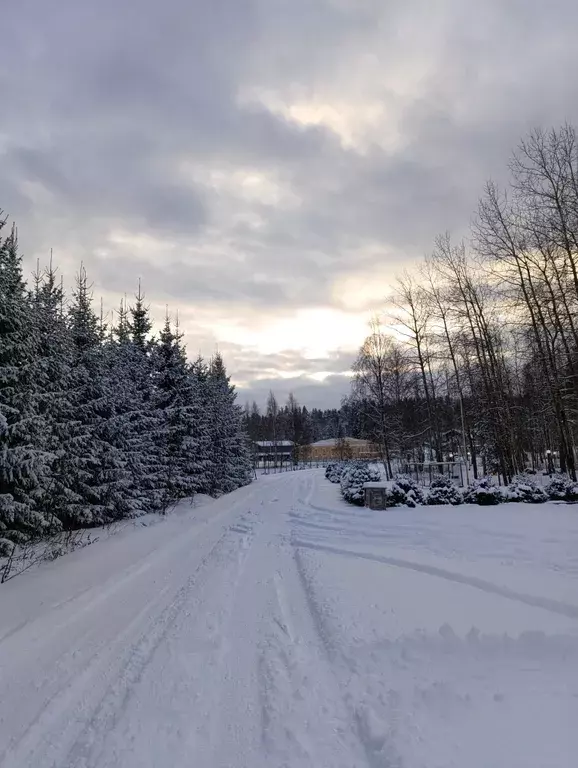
{"x": 187, "y": 281}
{"x": 241, "y": 156}
{"x": 313, "y": 394}
{"x": 140, "y": 196}
{"x": 251, "y": 365}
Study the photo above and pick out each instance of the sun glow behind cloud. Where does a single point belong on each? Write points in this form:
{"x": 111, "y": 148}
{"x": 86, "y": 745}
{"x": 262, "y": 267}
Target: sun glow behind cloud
{"x": 315, "y": 333}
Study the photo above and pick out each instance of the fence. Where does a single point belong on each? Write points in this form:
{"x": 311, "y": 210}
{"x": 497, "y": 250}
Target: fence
{"x": 272, "y": 467}
{"x": 425, "y": 472}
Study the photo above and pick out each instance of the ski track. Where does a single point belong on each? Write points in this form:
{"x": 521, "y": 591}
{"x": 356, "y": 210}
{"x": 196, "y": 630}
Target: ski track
{"x": 279, "y": 628}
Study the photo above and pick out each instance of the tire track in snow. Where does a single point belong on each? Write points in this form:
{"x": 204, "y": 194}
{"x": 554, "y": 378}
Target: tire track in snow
{"x": 54, "y": 717}
{"x": 93, "y": 596}
{"x": 36, "y": 738}
{"x": 70, "y": 705}
{"x": 553, "y": 606}
{"x": 382, "y": 694}
{"x": 88, "y": 748}
{"x": 313, "y": 649}
{"x": 275, "y": 670}
{"x": 303, "y": 719}
{"x": 378, "y": 752}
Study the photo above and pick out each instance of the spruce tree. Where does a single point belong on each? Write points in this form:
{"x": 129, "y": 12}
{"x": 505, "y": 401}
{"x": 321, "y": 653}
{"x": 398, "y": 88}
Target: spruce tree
{"x": 90, "y": 481}
{"x": 231, "y": 456}
{"x": 122, "y": 329}
{"x": 140, "y": 324}
{"x": 121, "y": 359}
{"x": 124, "y": 427}
{"x": 23, "y": 462}
{"x": 182, "y": 423}
{"x": 53, "y": 378}
{"x": 206, "y": 479}
{"x": 146, "y": 454}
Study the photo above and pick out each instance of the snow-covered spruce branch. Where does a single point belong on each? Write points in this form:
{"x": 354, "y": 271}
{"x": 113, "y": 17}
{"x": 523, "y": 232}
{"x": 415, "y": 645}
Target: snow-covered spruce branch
{"x": 101, "y": 422}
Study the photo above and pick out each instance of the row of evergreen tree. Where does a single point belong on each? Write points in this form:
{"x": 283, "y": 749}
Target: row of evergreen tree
{"x": 300, "y": 424}
{"x": 101, "y": 423}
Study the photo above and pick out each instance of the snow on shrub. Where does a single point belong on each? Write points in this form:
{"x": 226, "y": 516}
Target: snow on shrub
{"x": 414, "y": 495}
{"x": 561, "y": 488}
{"x": 523, "y": 488}
{"x": 483, "y": 492}
{"x": 334, "y": 470}
{"x": 397, "y": 497}
{"x": 354, "y": 475}
{"x": 6, "y": 547}
{"x": 443, "y": 491}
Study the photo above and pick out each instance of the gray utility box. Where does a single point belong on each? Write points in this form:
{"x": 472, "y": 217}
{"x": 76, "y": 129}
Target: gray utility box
{"x": 375, "y": 495}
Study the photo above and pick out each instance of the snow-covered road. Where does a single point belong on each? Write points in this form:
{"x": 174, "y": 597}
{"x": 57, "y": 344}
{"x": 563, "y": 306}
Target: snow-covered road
{"x": 277, "y": 627}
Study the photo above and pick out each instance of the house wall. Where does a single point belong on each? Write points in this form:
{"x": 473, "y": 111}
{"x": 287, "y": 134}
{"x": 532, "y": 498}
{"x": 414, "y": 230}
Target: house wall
{"x": 353, "y": 450}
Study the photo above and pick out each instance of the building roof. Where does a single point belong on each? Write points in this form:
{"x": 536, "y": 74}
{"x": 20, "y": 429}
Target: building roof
{"x": 332, "y": 441}
{"x": 274, "y": 443}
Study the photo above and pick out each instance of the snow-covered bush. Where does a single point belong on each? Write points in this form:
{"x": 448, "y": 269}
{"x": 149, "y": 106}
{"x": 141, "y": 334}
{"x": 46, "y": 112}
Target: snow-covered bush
{"x": 329, "y": 469}
{"x": 443, "y": 491}
{"x": 397, "y": 497}
{"x": 484, "y": 493}
{"x": 334, "y": 470}
{"x": 354, "y": 475}
{"x": 414, "y": 494}
{"x": 523, "y": 488}
{"x": 562, "y": 488}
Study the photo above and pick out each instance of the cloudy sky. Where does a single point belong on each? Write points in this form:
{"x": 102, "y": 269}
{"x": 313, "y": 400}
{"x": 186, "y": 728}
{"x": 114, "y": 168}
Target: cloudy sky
{"x": 266, "y": 166}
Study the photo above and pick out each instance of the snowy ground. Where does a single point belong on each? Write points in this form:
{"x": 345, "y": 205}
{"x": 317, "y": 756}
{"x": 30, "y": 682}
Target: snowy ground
{"x": 279, "y": 628}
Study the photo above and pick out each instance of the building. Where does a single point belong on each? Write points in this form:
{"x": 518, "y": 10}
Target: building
{"x": 272, "y": 452}
{"x": 343, "y": 448}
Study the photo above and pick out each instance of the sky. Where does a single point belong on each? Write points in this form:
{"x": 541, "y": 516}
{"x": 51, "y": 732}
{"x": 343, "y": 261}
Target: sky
{"x": 266, "y": 167}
